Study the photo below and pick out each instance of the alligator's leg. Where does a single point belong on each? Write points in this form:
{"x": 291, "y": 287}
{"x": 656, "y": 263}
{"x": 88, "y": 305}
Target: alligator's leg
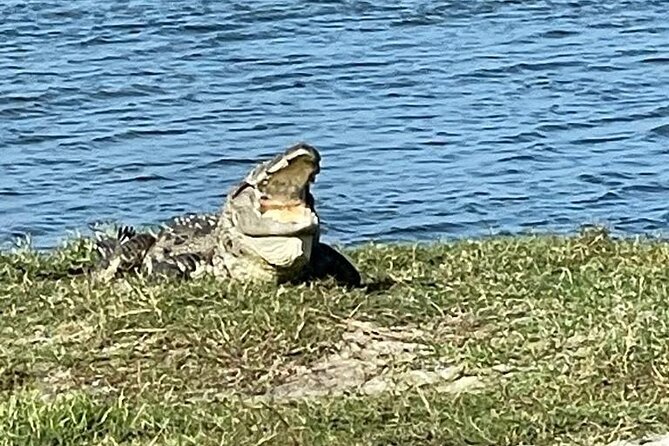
{"x": 184, "y": 265}
{"x": 326, "y": 261}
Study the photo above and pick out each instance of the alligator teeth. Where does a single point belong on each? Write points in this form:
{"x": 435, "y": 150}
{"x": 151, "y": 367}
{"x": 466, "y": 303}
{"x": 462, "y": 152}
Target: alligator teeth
{"x": 281, "y": 164}
{"x": 297, "y": 153}
{"x": 285, "y": 161}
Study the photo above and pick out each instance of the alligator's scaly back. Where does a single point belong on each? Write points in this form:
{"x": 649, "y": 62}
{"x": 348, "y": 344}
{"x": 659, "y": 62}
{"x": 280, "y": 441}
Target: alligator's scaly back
{"x": 180, "y": 246}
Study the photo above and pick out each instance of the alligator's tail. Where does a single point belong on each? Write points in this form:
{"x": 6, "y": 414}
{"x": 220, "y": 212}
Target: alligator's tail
{"x": 125, "y": 250}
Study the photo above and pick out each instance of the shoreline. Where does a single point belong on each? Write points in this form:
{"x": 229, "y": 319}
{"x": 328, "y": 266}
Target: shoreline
{"x": 60, "y": 242}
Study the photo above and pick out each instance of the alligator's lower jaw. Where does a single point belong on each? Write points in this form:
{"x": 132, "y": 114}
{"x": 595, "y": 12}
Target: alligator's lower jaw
{"x": 268, "y": 259}
{"x": 286, "y": 253}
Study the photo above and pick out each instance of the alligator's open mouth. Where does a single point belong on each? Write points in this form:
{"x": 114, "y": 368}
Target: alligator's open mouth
{"x": 287, "y": 178}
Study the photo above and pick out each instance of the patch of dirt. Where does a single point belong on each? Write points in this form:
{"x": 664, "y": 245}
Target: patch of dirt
{"x": 655, "y": 441}
{"x": 370, "y": 360}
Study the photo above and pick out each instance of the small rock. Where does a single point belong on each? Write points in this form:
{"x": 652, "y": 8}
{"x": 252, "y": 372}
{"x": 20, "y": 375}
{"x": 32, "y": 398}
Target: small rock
{"x": 376, "y": 385}
{"x": 464, "y": 384}
{"x": 420, "y": 377}
{"x": 502, "y": 368}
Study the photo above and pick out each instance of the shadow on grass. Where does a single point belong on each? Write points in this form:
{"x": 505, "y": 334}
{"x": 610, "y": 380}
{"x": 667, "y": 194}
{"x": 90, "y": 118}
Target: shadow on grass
{"x": 378, "y": 285}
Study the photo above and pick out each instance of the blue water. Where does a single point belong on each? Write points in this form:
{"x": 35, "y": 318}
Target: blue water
{"x": 435, "y": 119}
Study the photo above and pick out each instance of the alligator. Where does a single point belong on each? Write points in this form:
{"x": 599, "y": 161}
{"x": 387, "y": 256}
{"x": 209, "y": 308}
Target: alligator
{"x": 267, "y": 230}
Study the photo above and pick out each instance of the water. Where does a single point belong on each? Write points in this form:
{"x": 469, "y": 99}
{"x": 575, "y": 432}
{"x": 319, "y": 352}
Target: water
{"x": 435, "y": 119}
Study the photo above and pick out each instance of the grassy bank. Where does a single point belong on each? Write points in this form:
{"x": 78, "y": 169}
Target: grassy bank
{"x": 519, "y": 340}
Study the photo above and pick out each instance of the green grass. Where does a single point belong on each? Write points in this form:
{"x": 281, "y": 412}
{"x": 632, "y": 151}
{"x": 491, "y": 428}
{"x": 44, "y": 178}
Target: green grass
{"x": 579, "y": 324}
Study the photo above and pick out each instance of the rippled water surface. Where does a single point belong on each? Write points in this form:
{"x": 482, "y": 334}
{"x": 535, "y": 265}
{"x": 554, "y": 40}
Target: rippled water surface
{"x": 434, "y": 119}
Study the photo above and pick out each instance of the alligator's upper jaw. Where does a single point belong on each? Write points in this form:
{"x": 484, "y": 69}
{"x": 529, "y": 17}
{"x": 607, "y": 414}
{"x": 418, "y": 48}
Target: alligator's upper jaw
{"x": 298, "y": 151}
{"x": 285, "y": 180}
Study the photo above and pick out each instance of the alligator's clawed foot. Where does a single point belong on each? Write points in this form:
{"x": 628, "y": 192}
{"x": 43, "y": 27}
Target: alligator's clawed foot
{"x": 328, "y": 262}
